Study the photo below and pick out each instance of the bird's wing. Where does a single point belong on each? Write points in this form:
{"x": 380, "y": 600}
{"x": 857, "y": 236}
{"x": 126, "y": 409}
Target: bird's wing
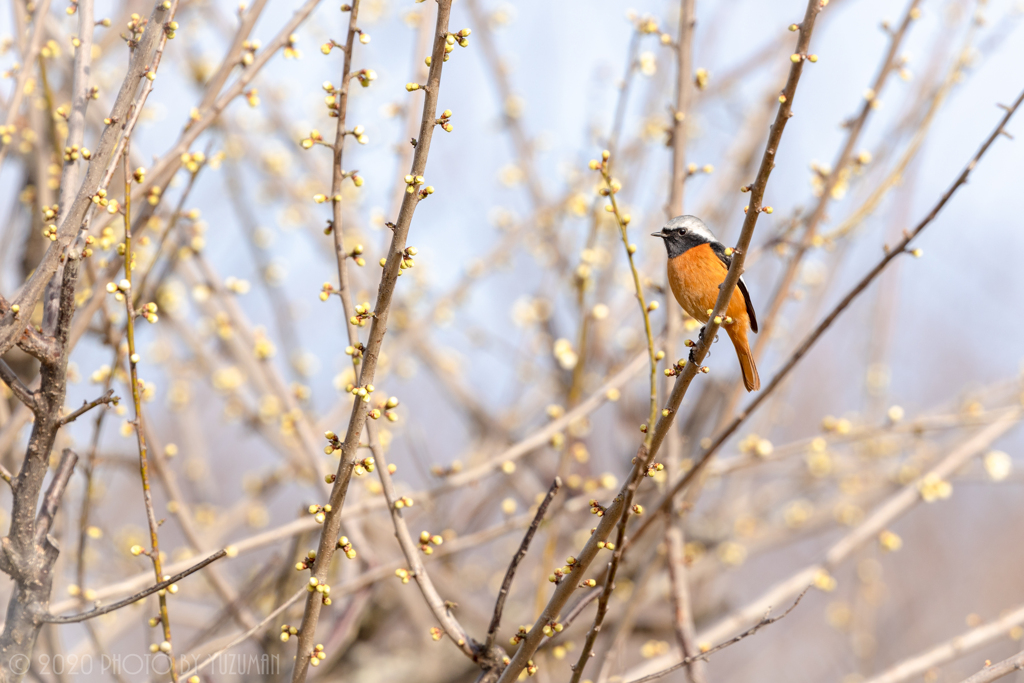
{"x": 719, "y": 250}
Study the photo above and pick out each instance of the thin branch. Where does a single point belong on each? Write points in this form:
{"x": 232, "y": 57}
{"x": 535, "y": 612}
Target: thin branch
{"x": 44, "y": 520}
{"x": 18, "y": 388}
{"x": 246, "y": 635}
{"x": 510, "y": 573}
{"x": 996, "y": 671}
{"x": 765, "y": 621}
{"x": 913, "y": 668}
{"x": 106, "y": 398}
{"x": 99, "y": 611}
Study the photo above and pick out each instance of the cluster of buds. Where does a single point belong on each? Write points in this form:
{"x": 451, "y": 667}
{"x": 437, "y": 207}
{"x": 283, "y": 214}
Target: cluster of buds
{"x": 320, "y": 511}
{"x": 606, "y": 545}
{"x": 170, "y": 29}
{"x": 326, "y": 291}
{"x": 148, "y": 312}
{"x": 73, "y": 152}
{"x": 596, "y": 508}
{"x": 290, "y": 49}
{"x": 193, "y": 161}
{"x": 317, "y": 655}
{"x": 314, "y": 135}
{"x": 315, "y": 586}
{"x": 153, "y": 196}
{"x": 345, "y": 546}
{"x": 367, "y": 464}
{"x": 7, "y": 131}
{"x": 50, "y": 212}
{"x": 357, "y": 255}
{"x": 653, "y": 469}
{"x": 307, "y": 561}
{"x": 557, "y": 575}
{"x": 119, "y": 289}
{"x": 763, "y": 209}
{"x": 252, "y": 97}
{"x": 139, "y": 174}
{"x": 404, "y": 574}
{"x": 100, "y": 198}
{"x": 50, "y": 232}
{"x": 359, "y": 134}
{"x": 462, "y": 38}
{"x": 363, "y": 313}
{"x": 520, "y": 635}
{"x": 366, "y": 76}
{"x": 601, "y": 165}
{"x": 551, "y": 628}
{"x": 693, "y": 169}
{"x": 678, "y": 367}
{"x": 334, "y": 443}
{"x": 89, "y": 241}
{"x": 412, "y": 182}
{"x": 440, "y": 471}
{"x": 404, "y": 501}
{"x": 172, "y": 589}
{"x": 249, "y": 49}
{"x": 799, "y": 57}
{"x": 445, "y": 121}
{"x": 386, "y": 409}
{"x": 355, "y": 351}
{"x": 287, "y": 632}
{"x": 362, "y": 392}
{"x": 136, "y": 25}
{"x": 531, "y": 668}
{"x": 428, "y": 540}
{"x": 436, "y": 633}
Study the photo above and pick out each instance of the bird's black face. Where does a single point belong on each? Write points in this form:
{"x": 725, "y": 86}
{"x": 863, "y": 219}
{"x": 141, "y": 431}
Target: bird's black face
{"x": 679, "y": 240}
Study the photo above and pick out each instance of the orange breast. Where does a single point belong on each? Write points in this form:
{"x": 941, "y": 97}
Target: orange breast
{"x": 694, "y": 277}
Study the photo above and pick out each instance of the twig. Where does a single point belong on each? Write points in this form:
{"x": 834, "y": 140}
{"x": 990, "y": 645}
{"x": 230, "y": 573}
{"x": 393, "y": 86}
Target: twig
{"x": 106, "y": 398}
{"x": 99, "y": 611}
{"x": 18, "y": 388}
{"x": 506, "y": 584}
{"x": 947, "y": 651}
{"x": 133, "y": 362}
{"x": 996, "y": 671}
{"x": 44, "y": 520}
{"x": 765, "y": 621}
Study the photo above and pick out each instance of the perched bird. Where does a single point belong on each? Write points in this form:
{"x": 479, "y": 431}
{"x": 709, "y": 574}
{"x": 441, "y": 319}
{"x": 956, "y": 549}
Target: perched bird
{"x": 697, "y": 266}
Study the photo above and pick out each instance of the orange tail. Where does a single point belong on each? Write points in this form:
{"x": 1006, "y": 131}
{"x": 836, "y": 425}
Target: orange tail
{"x": 751, "y": 380}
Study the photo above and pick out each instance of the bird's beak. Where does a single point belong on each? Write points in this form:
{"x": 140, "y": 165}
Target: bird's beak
{"x": 658, "y": 234}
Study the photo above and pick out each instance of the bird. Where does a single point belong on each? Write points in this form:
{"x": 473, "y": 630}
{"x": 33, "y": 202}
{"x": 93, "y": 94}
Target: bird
{"x": 697, "y": 266}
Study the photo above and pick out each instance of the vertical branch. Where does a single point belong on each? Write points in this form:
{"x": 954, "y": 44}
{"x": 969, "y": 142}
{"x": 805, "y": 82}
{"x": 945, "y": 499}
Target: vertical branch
{"x": 133, "y": 362}
{"x": 360, "y": 408}
{"x": 682, "y": 611}
{"x": 337, "y": 176}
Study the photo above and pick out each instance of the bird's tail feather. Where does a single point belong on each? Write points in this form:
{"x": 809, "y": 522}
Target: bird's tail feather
{"x": 751, "y": 380}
